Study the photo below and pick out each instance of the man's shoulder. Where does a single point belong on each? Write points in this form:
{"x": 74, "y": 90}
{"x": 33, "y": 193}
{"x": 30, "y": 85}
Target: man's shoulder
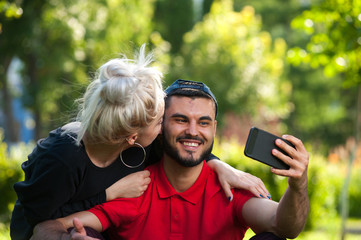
{"x": 214, "y": 181}
{"x": 241, "y": 195}
{"x": 212, "y": 175}
{"x": 153, "y": 167}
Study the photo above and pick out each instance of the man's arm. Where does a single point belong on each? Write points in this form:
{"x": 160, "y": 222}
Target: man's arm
{"x": 57, "y": 229}
{"x": 288, "y": 217}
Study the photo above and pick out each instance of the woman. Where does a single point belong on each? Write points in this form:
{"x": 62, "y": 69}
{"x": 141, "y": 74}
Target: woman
{"x": 101, "y": 156}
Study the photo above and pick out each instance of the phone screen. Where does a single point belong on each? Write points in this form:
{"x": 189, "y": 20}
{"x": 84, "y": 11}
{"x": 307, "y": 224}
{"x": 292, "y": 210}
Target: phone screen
{"x": 259, "y": 147}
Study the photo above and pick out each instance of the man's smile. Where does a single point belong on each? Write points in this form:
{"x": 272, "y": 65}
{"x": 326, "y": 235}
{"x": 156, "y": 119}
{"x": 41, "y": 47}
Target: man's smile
{"x": 191, "y": 144}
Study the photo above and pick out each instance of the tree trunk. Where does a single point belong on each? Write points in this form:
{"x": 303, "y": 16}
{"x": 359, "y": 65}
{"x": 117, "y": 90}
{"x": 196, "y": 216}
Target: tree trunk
{"x": 11, "y": 125}
{"x": 33, "y": 91}
{"x": 353, "y": 155}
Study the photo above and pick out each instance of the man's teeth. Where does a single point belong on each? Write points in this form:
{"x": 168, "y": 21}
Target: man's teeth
{"x": 191, "y": 144}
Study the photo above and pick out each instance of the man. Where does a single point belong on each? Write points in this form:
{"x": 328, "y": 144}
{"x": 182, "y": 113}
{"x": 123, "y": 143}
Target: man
{"x": 184, "y": 199}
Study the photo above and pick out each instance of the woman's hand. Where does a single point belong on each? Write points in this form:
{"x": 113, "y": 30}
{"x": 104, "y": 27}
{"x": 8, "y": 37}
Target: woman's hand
{"x": 79, "y": 232}
{"x": 130, "y": 186}
{"x": 230, "y": 177}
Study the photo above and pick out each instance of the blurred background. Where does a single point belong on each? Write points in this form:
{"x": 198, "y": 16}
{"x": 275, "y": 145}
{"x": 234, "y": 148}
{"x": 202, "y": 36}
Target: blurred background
{"x": 284, "y": 66}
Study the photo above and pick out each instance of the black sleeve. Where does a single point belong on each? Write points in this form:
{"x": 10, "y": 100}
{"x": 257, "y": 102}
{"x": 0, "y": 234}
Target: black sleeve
{"x": 212, "y": 156}
{"x": 49, "y": 186}
{"x": 73, "y": 207}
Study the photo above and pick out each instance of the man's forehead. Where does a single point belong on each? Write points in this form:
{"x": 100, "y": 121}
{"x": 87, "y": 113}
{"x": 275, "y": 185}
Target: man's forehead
{"x": 192, "y": 104}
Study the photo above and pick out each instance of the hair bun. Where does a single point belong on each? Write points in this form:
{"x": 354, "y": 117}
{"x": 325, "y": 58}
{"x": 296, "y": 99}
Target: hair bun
{"x": 118, "y": 82}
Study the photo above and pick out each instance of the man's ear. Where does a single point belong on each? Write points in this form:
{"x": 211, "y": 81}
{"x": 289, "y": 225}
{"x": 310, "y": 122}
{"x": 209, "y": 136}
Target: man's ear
{"x": 131, "y": 139}
{"x": 215, "y": 127}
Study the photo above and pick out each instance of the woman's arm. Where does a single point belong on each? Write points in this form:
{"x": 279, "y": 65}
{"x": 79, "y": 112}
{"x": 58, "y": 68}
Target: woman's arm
{"x": 230, "y": 177}
{"x": 49, "y": 186}
{"x": 57, "y": 229}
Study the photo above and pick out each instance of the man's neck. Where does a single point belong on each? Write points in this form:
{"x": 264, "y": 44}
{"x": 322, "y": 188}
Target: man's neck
{"x": 181, "y": 178}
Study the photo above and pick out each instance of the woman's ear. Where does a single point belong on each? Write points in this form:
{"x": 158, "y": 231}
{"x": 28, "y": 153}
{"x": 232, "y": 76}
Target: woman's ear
{"x": 131, "y": 139}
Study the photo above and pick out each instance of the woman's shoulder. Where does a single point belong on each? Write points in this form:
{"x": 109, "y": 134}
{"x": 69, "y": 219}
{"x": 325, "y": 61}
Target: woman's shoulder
{"x": 59, "y": 139}
{"x": 60, "y": 146}
{"x": 72, "y": 127}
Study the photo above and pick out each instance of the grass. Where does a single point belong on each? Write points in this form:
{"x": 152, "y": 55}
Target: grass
{"x": 330, "y": 231}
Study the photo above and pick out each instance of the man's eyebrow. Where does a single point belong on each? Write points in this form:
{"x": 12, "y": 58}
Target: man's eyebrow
{"x": 206, "y": 118}
{"x": 178, "y": 115}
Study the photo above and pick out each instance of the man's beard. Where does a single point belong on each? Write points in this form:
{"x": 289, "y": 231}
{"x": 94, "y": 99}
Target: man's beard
{"x": 188, "y": 161}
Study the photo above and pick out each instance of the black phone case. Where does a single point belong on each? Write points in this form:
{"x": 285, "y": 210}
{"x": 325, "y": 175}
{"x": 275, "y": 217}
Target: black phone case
{"x": 259, "y": 147}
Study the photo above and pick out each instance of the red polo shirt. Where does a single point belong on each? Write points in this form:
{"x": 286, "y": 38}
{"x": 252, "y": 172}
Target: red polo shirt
{"x": 201, "y": 212}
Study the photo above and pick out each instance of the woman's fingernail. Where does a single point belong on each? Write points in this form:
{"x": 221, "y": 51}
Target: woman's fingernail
{"x": 269, "y": 196}
{"x": 229, "y": 198}
{"x": 261, "y": 196}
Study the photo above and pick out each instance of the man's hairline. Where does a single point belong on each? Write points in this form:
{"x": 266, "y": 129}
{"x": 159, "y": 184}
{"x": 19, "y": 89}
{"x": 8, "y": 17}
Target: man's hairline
{"x": 168, "y": 99}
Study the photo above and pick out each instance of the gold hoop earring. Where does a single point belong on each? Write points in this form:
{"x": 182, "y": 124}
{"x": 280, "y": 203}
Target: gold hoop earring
{"x": 129, "y": 166}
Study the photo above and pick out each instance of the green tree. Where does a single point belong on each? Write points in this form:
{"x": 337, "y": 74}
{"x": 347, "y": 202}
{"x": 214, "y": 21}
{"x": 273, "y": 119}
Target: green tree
{"x": 320, "y": 114}
{"x": 44, "y": 44}
{"x": 8, "y": 11}
{"x": 335, "y": 45}
{"x": 60, "y": 42}
{"x": 230, "y": 53}
{"x": 173, "y": 19}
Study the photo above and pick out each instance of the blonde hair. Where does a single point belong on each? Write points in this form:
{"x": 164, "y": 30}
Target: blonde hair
{"x": 125, "y": 96}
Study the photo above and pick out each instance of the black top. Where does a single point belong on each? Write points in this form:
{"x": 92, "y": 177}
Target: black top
{"x": 60, "y": 180}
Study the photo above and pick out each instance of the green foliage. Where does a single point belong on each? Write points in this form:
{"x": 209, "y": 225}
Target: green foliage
{"x": 173, "y": 19}
{"x": 355, "y": 194}
{"x": 324, "y": 187}
{"x": 4, "y": 232}
{"x": 61, "y": 43}
{"x": 10, "y": 173}
{"x": 324, "y": 110}
{"x": 334, "y": 28}
{"x": 9, "y": 10}
{"x": 277, "y": 15}
{"x": 110, "y": 27}
{"x": 325, "y": 183}
{"x": 240, "y": 62}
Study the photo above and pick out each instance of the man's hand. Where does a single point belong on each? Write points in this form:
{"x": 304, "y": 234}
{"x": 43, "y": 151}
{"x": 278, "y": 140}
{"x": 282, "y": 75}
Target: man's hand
{"x": 298, "y": 160}
{"x": 78, "y": 232}
{"x": 230, "y": 177}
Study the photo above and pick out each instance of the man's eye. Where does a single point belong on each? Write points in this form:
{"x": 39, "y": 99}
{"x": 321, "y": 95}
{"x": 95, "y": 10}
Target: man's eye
{"x": 204, "y": 123}
{"x": 181, "y": 120}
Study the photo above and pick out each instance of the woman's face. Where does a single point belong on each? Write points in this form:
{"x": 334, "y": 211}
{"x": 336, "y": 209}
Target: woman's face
{"x": 149, "y": 133}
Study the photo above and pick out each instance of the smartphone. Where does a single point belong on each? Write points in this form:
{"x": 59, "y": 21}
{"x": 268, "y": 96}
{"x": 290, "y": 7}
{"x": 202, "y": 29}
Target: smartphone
{"x": 259, "y": 147}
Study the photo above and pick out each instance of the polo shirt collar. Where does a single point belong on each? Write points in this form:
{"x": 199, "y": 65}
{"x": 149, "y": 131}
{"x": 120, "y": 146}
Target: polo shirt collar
{"x": 192, "y": 195}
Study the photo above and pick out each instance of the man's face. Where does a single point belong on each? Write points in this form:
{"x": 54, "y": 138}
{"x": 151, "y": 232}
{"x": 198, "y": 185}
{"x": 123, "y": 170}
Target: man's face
{"x": 189, "y": 129}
